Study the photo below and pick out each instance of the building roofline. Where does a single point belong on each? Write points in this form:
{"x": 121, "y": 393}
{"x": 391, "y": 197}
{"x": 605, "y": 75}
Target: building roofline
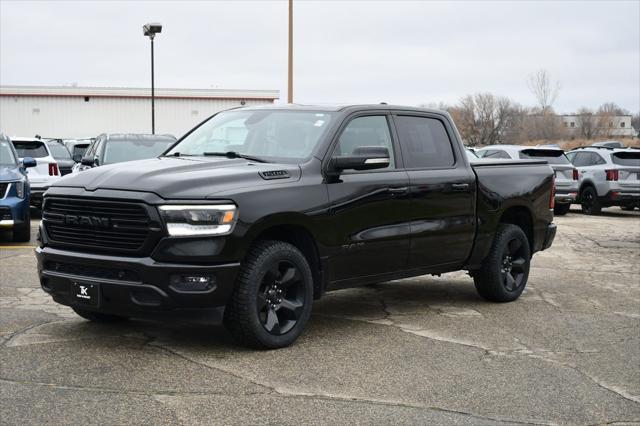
{"x": 136, "y": 92}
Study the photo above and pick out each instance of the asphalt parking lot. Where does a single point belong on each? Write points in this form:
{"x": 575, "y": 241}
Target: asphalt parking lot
{"x": 421, "y": 350}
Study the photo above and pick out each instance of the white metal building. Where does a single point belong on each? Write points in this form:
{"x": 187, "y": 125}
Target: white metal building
{"x": 71, "y": 112}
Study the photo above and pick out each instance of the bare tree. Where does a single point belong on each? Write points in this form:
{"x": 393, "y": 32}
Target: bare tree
{"x": 543, "y": 89}
{"x": 589, "y": 124}
{"x": 483, "y": 119}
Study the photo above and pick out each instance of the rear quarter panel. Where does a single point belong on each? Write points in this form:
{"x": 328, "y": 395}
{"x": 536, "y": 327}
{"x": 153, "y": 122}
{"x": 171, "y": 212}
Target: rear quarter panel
{"x": 504, "y": 185}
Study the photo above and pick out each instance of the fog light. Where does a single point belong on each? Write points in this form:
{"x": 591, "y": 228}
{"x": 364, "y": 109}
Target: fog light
{"x": 193, "y": 282}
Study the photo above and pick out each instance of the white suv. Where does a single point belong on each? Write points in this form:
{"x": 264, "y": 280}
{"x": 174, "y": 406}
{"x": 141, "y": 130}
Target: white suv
{"x": 608, "y": 177}
{"x": 44, "y": 173}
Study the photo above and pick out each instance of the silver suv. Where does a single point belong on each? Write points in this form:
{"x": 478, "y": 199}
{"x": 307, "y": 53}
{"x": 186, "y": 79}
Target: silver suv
{"x": 566, "y": 175}
{"x": 608, "y": 177}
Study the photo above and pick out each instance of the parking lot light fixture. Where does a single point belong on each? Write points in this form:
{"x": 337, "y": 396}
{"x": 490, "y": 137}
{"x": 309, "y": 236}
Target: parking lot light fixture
{"x": 150, "y": 30}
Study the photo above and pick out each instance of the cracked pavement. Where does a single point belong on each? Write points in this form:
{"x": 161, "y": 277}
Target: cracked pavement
{"x": 423, "y": 350}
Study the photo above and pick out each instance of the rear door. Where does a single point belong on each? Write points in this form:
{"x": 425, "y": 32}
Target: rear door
{"x": 368, "y": 221}
{"x": 442, "y": 189}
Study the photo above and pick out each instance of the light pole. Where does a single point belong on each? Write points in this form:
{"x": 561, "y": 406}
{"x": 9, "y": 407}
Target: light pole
{"x": 150, "y": 30}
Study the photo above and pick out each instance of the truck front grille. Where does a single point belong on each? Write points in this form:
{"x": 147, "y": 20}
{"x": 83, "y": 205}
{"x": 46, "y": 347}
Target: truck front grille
{"x": 96, "y": 224}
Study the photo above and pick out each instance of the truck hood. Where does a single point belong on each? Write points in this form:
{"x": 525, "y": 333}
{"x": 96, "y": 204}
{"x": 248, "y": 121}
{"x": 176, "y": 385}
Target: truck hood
{"x": 182, "y": 177}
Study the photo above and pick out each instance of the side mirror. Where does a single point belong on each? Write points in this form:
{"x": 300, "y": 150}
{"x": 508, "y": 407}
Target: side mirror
{"x": 362, "y": 158}
{"x": 87, "y": 161}
{"x": 29, "y": 162}
{"x": 77, "y": 158}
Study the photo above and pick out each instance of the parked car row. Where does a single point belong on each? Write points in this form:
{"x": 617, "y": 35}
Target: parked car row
{"x": 51, "y": 158}
{"x": 597, "y": 176}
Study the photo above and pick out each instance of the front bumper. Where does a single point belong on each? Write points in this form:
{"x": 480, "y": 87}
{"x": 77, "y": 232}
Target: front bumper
{"x": 135, "y": 287}
{"x": 550, "y": 235}
{"x": 13, "y": 213}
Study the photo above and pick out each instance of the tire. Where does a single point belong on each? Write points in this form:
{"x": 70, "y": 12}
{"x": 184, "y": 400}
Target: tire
{"x": 22, "y": 234}
{"x": 589, "y": 201}
{"x": 97, "y": 316}
{"x": 509, "y": 257}
{"x": 273, "y": 296}
{"x": 561, "y": 209}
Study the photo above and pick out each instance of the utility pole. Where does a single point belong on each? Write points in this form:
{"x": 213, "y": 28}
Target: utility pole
{"x": 290, "y": 76}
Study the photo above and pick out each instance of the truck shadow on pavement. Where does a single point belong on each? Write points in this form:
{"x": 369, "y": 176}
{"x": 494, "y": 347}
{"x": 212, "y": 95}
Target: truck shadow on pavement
{"x": 337, "y": 311}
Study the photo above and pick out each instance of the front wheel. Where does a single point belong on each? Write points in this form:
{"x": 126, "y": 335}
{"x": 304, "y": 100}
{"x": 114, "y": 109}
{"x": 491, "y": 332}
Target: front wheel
{"x": 504, "y": 273}
{"x": 272, "y": 300}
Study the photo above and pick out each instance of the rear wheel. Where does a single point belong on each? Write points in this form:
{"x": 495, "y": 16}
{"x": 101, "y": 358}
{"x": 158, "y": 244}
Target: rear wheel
{"x": 589, "y": 201}
{"x": 561, "y": 209}
{"x": 272, "y": 300}
{"x": 97, "y": 316}
{"x": 504, "y": 273}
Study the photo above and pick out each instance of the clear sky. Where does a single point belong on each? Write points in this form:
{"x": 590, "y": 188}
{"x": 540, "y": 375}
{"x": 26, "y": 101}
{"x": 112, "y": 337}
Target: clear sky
{"x": 404, "y": 52}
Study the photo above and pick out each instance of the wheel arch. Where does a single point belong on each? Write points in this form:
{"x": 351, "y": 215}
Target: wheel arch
{"x": 520, "y": 216}
{"x": 296, "y": 230}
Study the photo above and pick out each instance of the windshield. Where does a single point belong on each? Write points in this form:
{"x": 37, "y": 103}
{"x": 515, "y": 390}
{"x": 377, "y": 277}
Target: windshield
{"x": 553, "y": 156}
{"x": 277, "y": 135}
{"x": 6, "y": 155}
{"x": 59, "y": 152}
{"x": 118, "y": 151}
{"x": 33, "y": 149}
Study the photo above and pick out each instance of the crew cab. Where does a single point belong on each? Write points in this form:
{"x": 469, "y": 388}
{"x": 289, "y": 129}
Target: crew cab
{"x": 260, "y": 210}
{"x": 565, "y": 173}
{"x": 44, "y": 173}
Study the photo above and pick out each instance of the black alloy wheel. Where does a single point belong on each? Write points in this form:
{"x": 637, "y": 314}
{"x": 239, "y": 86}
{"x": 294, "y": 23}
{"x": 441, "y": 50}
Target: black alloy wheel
{"x": 281, "y": 297}
{"x": 273, "y": 296}
{"x": 513, "y": 263}
{"x": 504, "y": 272}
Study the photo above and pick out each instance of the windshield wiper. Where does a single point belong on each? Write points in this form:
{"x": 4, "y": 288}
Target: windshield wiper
{"x": 234, "y": 154}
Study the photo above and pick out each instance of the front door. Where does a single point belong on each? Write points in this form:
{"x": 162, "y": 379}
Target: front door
{"x": 368, "y": 218}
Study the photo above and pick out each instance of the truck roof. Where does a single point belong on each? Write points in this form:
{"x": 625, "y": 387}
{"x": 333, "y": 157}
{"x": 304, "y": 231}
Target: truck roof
{"x": 343, "y": 107}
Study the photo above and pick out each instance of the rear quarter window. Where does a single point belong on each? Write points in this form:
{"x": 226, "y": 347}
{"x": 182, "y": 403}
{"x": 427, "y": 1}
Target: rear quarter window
{"x": 626, "y": 158}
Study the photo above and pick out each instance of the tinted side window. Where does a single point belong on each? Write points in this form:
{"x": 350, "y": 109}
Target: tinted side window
{"x": 582, "y": 159}
{"x": 424, "y": 141}
{"x": 597, "y": 159}
{"x": 366, "y": 131}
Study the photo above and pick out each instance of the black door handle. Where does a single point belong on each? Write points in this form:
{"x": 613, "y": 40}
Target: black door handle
{"x": 398, "y": 190}
{"x": 460, "y": 186}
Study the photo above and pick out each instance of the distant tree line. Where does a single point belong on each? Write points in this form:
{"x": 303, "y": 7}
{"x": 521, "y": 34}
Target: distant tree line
{"x": 487, "y": 119}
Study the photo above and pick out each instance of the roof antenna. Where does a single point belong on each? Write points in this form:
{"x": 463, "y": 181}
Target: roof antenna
{"x": 383, "y": 103}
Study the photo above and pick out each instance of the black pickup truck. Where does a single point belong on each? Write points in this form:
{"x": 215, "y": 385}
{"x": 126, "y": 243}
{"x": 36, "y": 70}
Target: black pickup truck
{"x": 258, "y": 211}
